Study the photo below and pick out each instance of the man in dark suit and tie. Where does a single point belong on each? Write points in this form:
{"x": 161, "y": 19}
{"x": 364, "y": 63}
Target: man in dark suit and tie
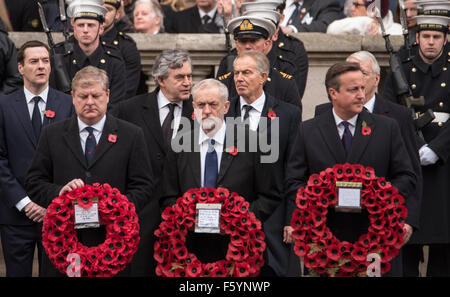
{"x": 253, "y": 103}
{"x": 207, "y": 162}
{"x": 309, "y": 15}
{"x": 201, "y": 18}
{"x": 154, "y": 113}
{"x": 23, "y": 113}
{"x": 335, "y": 137}
{"x": 375, "y": 103}
{"x": 92, "y": 147}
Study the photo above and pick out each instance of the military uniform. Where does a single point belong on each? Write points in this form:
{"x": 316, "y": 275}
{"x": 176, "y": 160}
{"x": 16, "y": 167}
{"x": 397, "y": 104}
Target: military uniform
{"x": 126, "y": 46}
{"x": 103, "y": 58}
{"x": 433, "y": 82}
{"x": 279, "y": 85}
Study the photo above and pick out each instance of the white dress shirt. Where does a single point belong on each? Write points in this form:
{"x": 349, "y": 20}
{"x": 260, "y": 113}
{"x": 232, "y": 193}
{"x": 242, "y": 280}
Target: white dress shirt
{"x": 210, "y": 14}
{"x": 30, "y": 103}
{"x": 341, "y": 127}
{"x": 288, "y": 10}
{"x": 163, "y": 106}
{"x": 98, "y": 128}
{"x": 203, "y": 141}
{"x": 255, "y": 113}
{"x": 370, "y": 104}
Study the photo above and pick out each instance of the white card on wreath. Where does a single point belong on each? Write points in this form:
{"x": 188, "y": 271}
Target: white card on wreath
{"x": 208, "y": 218}
{"x": 86, "y": 218}
{"x": 349, "y": 197}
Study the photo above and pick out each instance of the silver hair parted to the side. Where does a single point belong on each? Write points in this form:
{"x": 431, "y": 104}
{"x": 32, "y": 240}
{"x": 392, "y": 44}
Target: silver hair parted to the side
{"x": 167, "y": 60}
{"x": 364, "y": 56}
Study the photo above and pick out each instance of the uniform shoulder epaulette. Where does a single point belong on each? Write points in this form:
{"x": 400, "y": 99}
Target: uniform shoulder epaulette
{"x": 222, "y": 77}
{"x": 113, "y": 52}
{"x": 125, "y": 36}
{"x": 285, "y": 75}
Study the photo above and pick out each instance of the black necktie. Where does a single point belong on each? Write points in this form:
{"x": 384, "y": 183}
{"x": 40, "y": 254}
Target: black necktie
{"x": 247, "y": 109}
{"x": 211, "y": 168}
{"x": 347, "y": 137}
{"x": 36, "y": 119}
{"x": 167, "y": 124}
{"x": 294, "y": 15}
{"x": 206, "y": 19}
{"x": 90, "y": 145}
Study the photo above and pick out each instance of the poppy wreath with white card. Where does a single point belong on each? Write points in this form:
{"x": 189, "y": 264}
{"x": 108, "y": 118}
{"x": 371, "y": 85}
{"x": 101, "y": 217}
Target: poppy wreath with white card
{"x": 245, "y": 251}
{"x": 323, "y": 253}
{"x": 69, "y": 255}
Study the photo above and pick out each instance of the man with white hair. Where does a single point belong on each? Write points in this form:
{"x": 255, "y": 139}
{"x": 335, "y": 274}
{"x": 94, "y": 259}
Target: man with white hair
{"x": 209, "y": 162}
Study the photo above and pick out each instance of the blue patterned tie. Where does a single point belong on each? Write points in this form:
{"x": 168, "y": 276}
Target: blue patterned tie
{"x": 211, "y": 168}
{"x": 90, "y": 145}
{"x": 347, "y": 137}
{"x": 295, "y": 14}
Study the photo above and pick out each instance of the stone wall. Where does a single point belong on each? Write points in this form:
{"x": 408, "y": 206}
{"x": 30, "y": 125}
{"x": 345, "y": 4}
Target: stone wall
{"x": 206, "y": 51}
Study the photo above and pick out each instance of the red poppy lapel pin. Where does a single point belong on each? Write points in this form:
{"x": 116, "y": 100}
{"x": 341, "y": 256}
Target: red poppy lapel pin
{"x": 193, "y": 115}
{"x": 232, "y": 150}
{"x": 271, "y": 114}
{"x": 112, "y": 138}
{"x": 365, "y": 129}
{"x": 49, "y": 114}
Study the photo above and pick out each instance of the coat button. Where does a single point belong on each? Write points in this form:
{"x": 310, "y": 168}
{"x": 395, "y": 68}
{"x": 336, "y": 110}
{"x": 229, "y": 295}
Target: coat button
{"x": 74, "y": 62}
{"x": 441, "y": 104}
{"x": 443, "y": 84}
{"x": 103, "y": 61}
{"x": 269, "y": 79}
{"x": 414, "y": 69}
{"x": 115, "y": 42}
{"x": 413, "y": 86}
{"x": 440, "y": 124}
{"x": 444, "y": 68}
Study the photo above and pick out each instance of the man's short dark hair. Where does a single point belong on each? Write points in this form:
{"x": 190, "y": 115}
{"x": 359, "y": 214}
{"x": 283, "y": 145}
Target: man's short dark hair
{"x": 28, "y": 44}
{"x": 334, "y": 73}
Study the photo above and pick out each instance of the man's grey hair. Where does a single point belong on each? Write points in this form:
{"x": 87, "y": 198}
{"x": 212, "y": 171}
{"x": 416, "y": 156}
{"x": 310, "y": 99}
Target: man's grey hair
{"x": 88, "y": 75}
{"x": 156, "y": 10}
{"x": 365, "y": 56}
{"x": 211, "y": 83}
{"x": 262, "y": 62}
{"x": 168, "y": 60}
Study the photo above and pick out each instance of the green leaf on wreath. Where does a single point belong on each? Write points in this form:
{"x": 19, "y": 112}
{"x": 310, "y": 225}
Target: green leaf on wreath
{"x": 332, "y": 271}
{"x": 176, "y": 266}
{"x": 314, "y": 248}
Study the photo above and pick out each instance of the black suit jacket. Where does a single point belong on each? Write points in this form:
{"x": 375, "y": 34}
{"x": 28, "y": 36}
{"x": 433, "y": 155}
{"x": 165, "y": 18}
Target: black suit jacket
{"x": 189, "y": 21}
{"x": 318, "y": 146}
{"x": 122, "y": 164}
{"x": 289, "y": 121}
{"x": 17, "y": 146}
{"x": 143, "y": 111}
{"x": 243, "y": 173}
{"x": 403, "y": 117}
{"x": 323, "y": 13}
{"x": 59, "y": 159}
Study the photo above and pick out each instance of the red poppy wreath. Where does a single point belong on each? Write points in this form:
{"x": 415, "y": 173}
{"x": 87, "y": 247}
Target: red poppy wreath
{"x": 59, "y": 237}
{"x": 326, "y": 255}
{"x": 245, "y": 250}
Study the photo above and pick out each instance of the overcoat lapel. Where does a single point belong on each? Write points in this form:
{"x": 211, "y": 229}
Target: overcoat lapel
{"x": 330, "y": 135}
{"x": 105, "y": 143}
{"x": 72, "y": 139}
{"x": 21, "y": 108}
{"x": 360, "y": 141}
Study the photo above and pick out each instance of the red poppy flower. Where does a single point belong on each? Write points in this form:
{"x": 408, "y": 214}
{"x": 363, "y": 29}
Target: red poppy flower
{"x": 338, "y": 171}
{"x": 359, "y": 253}
{"x": 193, "y": 115}
{"x": 271, "y": 114}
{"x": 366, "y": 130}
{"x": 49, "y": 114}
{"x": 112, "y": 138}
{"x": 241, "y": 269}
{"x": 301, "y": 249}
{"x": 232, "y": 150}
{"x": 311, "y": 261}
{"x": 333, "y": 252}
{"x": 193, "y": 269}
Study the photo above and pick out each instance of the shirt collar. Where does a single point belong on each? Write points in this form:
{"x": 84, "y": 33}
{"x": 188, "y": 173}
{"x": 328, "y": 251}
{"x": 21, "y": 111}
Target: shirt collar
{"x": 258, "y": 104}
{"x": 163, "y": 101}
{"x": 370, "y": 104}
{"x": 29, "y": 96}
{"x": 211, "y": 13}
{"x": 338, "y": 120}
{"x": 219, "y": 137}
{"x": 97, "y": 126}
